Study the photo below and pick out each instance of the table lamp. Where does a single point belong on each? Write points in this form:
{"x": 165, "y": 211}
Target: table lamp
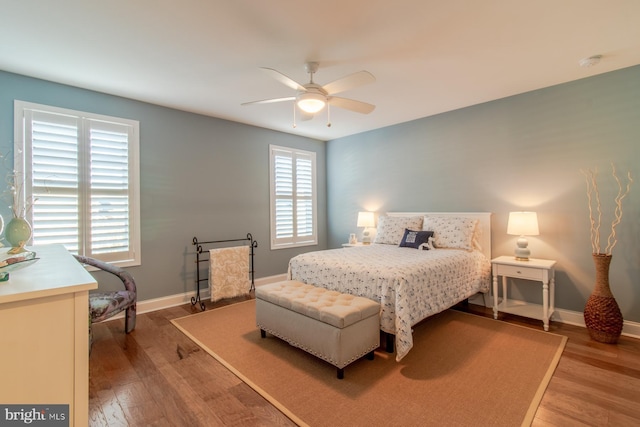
{"x": 523, "y": 224}
{"x": 365, "y": 219}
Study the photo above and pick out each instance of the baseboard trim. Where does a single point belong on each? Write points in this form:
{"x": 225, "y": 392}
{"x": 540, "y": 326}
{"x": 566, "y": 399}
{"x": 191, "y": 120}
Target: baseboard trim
{"x": 156, "y": 304}
{"x": 629, "y": 328}
{"x": 576, "y": 318}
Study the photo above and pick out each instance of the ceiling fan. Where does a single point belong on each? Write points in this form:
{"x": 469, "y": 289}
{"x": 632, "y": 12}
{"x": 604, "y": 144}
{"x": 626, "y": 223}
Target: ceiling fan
{"x": 312, "y": 98}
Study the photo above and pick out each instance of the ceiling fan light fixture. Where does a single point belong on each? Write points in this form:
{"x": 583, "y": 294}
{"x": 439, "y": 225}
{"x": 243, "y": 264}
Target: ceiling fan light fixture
{"x": 310, "y": 102}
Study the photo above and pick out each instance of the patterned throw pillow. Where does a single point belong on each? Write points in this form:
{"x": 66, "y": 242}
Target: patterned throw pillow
{"x": 451, "y": 232}
{"x": 391, "y": 228}
{"x": 416, "y": 239}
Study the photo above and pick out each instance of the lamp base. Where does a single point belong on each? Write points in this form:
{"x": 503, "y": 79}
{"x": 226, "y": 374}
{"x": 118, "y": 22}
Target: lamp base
{"x": 522, "y": 251}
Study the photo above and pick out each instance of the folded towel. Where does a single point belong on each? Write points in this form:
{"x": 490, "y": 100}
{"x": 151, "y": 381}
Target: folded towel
{"x": 229, "y": 272}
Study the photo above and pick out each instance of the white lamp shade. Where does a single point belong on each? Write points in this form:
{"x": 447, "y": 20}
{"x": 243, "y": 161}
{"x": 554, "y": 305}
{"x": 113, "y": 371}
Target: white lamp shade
{"x": 523, "y": 224}
{"x": 365, "y": 219}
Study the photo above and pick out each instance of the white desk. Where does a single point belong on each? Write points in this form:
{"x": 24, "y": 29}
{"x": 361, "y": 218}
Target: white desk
{"x": 44, "y": 333}
{"x": 540, "y": 270}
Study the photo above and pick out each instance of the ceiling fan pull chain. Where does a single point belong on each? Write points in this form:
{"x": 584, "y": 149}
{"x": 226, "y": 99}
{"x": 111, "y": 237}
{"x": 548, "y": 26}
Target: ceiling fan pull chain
{"x": 328, "y": 115}
{"x": 294, "y": 115}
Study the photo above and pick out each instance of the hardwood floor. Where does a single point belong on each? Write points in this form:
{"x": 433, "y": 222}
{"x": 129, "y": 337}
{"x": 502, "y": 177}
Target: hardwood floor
{"x": 595, "y": 384}
{"x": 156, "y": 376}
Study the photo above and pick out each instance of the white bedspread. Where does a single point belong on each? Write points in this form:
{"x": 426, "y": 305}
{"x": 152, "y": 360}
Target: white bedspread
{"x": 410, "y": 284}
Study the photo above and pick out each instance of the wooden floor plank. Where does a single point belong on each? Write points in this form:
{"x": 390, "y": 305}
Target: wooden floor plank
{"x": 111, "y": 409}
{"x": 550, "y": 417}
{"x": 145, "y": 413}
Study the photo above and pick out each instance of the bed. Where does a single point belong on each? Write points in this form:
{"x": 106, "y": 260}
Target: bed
{"x": 409, "y": 282}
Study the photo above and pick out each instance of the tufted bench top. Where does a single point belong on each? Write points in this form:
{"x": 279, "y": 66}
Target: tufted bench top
{"x": 331, "y": 307}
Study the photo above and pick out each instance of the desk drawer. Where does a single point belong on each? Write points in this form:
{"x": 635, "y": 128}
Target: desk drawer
{"x": 522, "y": 272}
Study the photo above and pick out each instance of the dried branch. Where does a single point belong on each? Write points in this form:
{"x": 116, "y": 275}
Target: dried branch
{"x": 592, "y": 189}
{"x": 611, "y": 242}
{"x": 593, "y": 196}
{"x": 14, "y": 192}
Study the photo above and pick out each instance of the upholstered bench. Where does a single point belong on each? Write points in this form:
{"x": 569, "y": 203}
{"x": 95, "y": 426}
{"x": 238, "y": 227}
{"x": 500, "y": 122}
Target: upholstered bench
{"x": 338, "y": 328}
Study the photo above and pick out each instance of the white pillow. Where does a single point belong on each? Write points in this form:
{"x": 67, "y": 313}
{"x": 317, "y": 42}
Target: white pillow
{"x": 451, "y": 232}
{"x": 391, "y": 228}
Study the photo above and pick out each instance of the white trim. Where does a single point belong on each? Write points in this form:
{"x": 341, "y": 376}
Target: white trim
{"x": 576, "y": 318}
{"x": 296, "y": 156}
{"x": 161, "y": 303}
{"x": 629, "y": 328}
{"x": 83, "y": 120}
{"x": 271, "y": 279}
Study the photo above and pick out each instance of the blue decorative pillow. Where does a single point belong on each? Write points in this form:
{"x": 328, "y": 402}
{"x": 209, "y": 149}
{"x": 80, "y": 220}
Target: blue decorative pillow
{"x": 414, "y": 239}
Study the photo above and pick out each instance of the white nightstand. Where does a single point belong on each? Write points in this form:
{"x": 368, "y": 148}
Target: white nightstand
{"x": 541, "y": 270}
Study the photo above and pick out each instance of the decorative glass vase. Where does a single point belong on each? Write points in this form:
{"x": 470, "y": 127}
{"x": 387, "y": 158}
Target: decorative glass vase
{"x": 17, "y": 232}
{"x": 602, "y": 314}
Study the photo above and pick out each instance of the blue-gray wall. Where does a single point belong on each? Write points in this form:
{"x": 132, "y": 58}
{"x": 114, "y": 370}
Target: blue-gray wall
{"x": 209, "y": 177}
{"x": 199, "y": 176}
{"x": 519, "y": 153}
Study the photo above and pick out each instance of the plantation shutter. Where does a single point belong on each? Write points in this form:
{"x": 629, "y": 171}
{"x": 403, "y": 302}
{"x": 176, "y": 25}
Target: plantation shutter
{"x": 304, "y": 193}
{"x": 283, "y": 166}
{"x": 79, "y": 175}
{"x": 109, "y": 188}
{"x": 55, "y": 179}
{"x": 293, "y": 209}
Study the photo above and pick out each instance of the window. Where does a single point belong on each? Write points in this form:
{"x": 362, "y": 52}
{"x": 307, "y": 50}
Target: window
{"x": 81, "y": 171}
{"x": 293, "y": 197}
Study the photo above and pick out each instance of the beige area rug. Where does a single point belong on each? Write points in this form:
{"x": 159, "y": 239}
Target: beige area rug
{"x": 464, "y": 370}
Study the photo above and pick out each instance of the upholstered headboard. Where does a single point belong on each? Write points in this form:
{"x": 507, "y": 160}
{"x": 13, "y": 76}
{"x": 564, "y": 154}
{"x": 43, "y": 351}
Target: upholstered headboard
{"x": 484, "y": 224}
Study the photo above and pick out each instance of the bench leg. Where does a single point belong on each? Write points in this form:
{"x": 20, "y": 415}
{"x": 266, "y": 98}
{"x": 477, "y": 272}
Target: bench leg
{"x": 340, "y": 373}
{"x": 370, "y": 355}
{"x": 263, "y": 334}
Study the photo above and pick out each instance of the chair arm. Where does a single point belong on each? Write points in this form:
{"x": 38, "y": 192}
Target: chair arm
{"x": 127, "y": 279}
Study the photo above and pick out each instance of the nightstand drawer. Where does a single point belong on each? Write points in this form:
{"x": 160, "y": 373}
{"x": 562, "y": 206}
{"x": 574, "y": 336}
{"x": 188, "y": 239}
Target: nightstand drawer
{"x": 517, "y": 271}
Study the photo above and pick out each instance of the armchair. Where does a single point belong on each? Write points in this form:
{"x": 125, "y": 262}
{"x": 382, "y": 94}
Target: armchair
{"x": 103, "y": 305}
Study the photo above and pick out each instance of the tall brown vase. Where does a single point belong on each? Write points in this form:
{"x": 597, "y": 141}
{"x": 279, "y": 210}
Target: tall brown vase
{"x": 602, "y": 314}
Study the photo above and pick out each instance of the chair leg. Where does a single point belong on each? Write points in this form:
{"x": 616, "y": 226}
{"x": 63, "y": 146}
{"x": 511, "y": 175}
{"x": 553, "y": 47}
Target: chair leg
{"x": 90, "y": 336}
{"x": 130, "y": 319}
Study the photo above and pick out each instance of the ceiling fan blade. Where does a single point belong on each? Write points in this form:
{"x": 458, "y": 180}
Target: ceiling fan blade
{"x": 283, "y": 79}
{"x": 351, "y": 104}
{"x": 349, "y": 82}
{"x": 270, "y": 101}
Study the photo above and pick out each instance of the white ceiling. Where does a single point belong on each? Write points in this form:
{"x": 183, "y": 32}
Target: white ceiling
{"x": 428, "y": 56}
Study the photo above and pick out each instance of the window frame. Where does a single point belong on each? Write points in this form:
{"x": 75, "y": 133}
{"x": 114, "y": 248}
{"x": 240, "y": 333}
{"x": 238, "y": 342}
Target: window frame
{"x": 22, "y": 153}
{"x": 295, "y": 240}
